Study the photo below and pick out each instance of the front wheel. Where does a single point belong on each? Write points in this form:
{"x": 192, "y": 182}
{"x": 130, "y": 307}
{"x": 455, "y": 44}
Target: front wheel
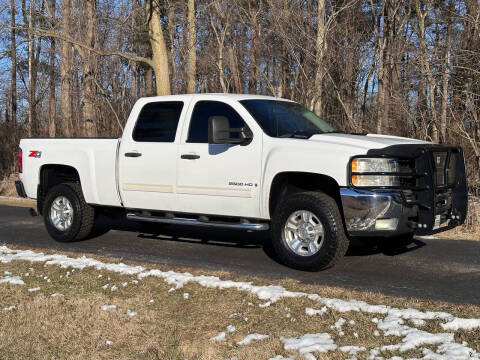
{"x": 308, "y": 233}
{"x": 66, "y": 215}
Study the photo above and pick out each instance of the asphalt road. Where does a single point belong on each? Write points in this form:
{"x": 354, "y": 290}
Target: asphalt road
{"x": 447, "y": 270}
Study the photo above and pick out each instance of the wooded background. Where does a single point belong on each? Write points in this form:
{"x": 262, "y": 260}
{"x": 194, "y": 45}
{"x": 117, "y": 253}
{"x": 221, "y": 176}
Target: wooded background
{"x": 409, "y": 68}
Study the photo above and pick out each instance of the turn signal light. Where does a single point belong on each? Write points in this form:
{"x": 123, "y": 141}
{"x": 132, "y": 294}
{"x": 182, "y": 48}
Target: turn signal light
{"x": 354, "y": 178}
{"x": 354, "y": 166}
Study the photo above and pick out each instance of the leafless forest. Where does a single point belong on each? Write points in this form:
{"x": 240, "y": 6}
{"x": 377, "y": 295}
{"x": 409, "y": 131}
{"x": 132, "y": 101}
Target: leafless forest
{"x": 409, "y": 68}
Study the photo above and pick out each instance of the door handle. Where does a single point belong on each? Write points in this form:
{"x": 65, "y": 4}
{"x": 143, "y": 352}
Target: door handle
{"x": 190, "y": 156}
{"x": 133, "y": 154}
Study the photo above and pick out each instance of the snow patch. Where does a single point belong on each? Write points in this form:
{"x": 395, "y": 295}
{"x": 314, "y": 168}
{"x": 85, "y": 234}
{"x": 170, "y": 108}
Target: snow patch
{"x": 231, "y": 328}
{"x": 107, "y": 307}
{"x": 251, "y": 337}
{"x": 219, "y": 337}
{"x": 309, "y": 343}
{"x": 14, "y": 280}
{"x": 352, "y": 350}
{"x": 459, "y": 323}
{"x": 131, "y": 313}
{"x": 338, "y": 326}
{"x": 313, "y": 312}
{"x": 10, "y": 308}
{"x": 34, "y": 289}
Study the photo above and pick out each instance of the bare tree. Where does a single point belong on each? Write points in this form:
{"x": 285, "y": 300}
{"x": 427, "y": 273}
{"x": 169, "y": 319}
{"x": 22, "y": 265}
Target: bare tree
{"x": 66, "y": 68}
{"x": 52, "y": 108}
{"x": 13, "y": 70}
{"x": 159, "y": 62}
{"x": 446, "y": 72}
{"x": 425, "y": 66}
{"x": 89, "y": 60}
{"x": 320, "y": 50}
{"x": 192, "y": 51}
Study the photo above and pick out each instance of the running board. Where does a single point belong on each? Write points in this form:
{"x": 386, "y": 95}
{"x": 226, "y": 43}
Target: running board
{"x": 198, "y": 222}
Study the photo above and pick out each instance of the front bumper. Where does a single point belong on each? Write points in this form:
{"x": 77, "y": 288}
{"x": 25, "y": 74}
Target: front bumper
{"x": 432, "y": 196}
{"x": 362, "y": 210}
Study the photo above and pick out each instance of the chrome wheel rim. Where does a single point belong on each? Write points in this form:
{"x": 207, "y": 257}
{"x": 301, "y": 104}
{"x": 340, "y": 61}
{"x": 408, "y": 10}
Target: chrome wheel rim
{"x": 61, "y": 213}
{"x": 304, "y": 233}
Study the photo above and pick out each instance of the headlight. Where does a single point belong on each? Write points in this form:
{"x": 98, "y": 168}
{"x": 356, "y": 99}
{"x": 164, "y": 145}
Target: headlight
{"x": 374, "y": 172}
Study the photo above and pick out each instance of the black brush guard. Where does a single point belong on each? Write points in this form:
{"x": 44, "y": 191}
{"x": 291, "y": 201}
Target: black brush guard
{"x": 428, "y": 184}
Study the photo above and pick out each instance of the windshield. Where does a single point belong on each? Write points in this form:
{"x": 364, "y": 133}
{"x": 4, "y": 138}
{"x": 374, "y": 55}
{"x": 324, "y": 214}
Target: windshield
{"x": 286, "y": 119}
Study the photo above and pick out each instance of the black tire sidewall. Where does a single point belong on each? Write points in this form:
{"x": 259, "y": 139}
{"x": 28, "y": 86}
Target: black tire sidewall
{"x": 71, "y": 233}
{"x": 322, "y": 210}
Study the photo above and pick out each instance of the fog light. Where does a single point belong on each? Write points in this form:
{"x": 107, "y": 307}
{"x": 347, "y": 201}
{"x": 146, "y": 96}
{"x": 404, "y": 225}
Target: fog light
{"x": 386, "y": 224}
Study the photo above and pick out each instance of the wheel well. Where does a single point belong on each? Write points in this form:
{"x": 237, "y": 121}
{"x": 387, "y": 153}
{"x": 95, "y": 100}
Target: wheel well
{"x": 289, "y": 183}
{"x": 51, "y": 175}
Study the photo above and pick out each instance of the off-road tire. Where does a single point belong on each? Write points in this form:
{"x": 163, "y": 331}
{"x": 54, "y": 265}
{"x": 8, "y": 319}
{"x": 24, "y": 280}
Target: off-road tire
{"x": 83, "y": 214}
{"x": 335, "y": 243}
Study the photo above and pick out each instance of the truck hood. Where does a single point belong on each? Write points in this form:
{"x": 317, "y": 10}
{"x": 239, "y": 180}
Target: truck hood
{"x": 369, "y": 141}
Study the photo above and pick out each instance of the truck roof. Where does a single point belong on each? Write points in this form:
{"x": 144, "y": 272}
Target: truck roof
{"x": 212, "y": 96}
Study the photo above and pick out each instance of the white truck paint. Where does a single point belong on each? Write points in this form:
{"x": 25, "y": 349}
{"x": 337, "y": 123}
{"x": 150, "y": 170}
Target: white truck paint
{"x": 228, "y": 180}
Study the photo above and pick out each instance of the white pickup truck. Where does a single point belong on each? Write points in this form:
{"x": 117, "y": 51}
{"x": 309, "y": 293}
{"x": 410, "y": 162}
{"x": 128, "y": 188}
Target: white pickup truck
{"x": 248, "y": 162}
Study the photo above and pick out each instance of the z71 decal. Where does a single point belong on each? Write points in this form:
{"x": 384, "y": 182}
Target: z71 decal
{"x": 35, "y": 154}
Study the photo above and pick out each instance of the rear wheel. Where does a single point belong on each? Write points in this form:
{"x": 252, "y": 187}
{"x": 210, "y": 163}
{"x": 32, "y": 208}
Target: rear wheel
{"x": 66, "y": 215}
{"x": 307, "y": 231}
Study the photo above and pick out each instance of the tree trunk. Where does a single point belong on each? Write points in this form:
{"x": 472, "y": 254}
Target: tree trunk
{"x": 426, "y": 68}
{"x": 382, "y": 67}
{"x": 31, "y": 88}
{"x": 89, "y": 72}
{"x": 253, "y": 29}
{"x": 237, "y": 86}
{"x": 149, "y": 81}
{"x": 192, "y": 51}
{"x": 445, "y": 74}
{"x": 133, "y": 64}
{"x": 320, "y": 50}
{"x": 172, "y": 30}
{"x": 13, "y": 72}
{"x": 52, "y": 110}
{"x": 159, "y": 49}
{"x": 66, "y": 68}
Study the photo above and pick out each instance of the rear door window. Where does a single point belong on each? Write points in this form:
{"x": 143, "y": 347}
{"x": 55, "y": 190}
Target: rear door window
{"x": 158, "y": 122}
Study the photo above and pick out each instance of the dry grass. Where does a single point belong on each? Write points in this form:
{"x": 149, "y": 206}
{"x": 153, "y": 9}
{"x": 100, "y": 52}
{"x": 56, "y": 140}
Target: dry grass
{"x": 173, "y": 327}
{"x": 471, "y": 229}
{"x": 17, "y": 201}
{"x": 7, "y": 185}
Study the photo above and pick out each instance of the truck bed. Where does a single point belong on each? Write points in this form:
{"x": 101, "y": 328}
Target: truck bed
{"x": 95, "y": 159}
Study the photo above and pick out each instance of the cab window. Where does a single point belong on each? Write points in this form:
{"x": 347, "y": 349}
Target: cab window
{"x": 158, "y": 122}
{"x": 203, "y": 110}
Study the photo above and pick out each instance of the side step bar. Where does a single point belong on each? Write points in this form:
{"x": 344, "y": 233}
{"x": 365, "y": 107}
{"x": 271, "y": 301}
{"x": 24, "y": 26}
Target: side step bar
{"x": 198, "y": 222}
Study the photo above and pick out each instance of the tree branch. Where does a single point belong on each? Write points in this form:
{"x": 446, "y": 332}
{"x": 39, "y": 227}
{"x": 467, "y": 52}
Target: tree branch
{"x": 80, "y": 45}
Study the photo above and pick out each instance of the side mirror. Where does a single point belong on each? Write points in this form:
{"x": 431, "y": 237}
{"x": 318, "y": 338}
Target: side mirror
{"x": 220, "y": 132}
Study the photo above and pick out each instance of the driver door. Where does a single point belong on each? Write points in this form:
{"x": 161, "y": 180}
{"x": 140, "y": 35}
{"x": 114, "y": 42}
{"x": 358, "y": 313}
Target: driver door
{"x": 221, "y": 179}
